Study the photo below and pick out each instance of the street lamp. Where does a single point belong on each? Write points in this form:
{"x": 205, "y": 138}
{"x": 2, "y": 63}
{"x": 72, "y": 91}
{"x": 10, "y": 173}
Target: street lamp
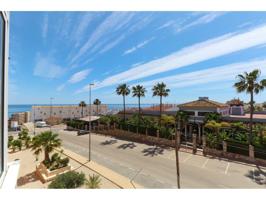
{"x": 51, "y": 110}
{"x": 91, "y": 84}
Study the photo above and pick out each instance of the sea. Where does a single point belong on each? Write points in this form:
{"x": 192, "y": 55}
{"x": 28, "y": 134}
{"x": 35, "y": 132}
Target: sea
{"x": 23, "y": 108}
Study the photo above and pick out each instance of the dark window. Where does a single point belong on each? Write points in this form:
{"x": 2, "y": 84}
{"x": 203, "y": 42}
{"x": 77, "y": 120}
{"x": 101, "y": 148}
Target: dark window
{"x": 202, "y": 113}
{"x": 2, "y": 93}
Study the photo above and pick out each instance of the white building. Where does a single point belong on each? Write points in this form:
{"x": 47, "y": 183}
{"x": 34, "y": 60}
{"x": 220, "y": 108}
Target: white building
{"x": 8, "y": 171}
{"x": 65, "y": 112}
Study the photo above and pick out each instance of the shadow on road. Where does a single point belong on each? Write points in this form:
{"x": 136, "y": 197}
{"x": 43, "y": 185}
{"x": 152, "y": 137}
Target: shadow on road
{"x": 130, "y": 145}
{"x": 153, "y": 151}
{"x": 108, "y": 142}
{"x": 258, "y": 176}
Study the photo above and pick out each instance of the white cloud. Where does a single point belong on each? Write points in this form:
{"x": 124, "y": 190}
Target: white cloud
{"x": 46, "y": 67}
{"x": 112, "y": 44}
{"x": 166, "y": 25}
{"x": 215, "y": 74}
{"x": 199, "y": 52}
{"x": 60, "y": 87}
{"x": 205, "y": 19}
{"x": 79, "y": 76}
{"x": 140, "y": 45}
{"x": 112, "y": 23}
{"x": 45, "y": 26}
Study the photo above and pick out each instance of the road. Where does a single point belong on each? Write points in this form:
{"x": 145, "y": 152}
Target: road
{"x": 154, "y": 167}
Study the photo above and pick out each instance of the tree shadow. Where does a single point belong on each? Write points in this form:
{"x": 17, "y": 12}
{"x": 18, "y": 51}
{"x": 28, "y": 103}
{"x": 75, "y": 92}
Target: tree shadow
{"x": 258, "y": 176}
{"x": 130, "y": 145}
{"x": 108, "y": 142}
{"x": 153, "y": 151}
{"x": 28, "y": 178}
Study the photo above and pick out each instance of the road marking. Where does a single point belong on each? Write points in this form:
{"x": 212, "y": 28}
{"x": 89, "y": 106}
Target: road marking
{"x": 187, "y": 158}
{"x": 227, "y": 167}
{"x": 205, "y": 163}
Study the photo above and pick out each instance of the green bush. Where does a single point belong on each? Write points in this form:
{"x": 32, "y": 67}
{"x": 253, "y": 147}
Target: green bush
{"x": 94, "y": 182}
{"x": 56, "y": 162}
{"x": 10, "y": 140}
{"x": 16, "y": 144}
{"x": 68, "y": 180}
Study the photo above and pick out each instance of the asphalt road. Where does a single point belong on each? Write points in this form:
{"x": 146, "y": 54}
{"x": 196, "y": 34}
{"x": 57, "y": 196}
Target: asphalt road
{"x": 154, "y": 167}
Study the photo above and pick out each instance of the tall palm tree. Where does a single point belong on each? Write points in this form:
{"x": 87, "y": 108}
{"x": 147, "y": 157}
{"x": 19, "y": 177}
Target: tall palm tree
{"x": 123, "y": 90}
{"x": 138, "y": 91}
{"x": 249, "y": 83}
{"x": 82, "y": 104}
{"x": 46, "y": 141}
{"x": 182, "y": 118}
{"x": 160, "y": 90}
{"x": 97, "y": 102}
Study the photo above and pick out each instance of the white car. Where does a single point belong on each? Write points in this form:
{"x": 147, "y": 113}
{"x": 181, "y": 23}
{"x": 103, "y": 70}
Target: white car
{"x": 41, "y": 124}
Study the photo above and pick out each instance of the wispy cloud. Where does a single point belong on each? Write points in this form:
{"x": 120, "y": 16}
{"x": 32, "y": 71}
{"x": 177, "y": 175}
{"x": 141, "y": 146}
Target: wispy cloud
{"x": 45, "y": 26}
{"x": 138, "y": 46}
{"x": 199, "y": 52}
{"x": 46, "y": 67}
{"x": 60, "y": 87}
{"x": 79, "y": 76}
{"x": 215, "y": 74}
{"x": 205, "y": 19}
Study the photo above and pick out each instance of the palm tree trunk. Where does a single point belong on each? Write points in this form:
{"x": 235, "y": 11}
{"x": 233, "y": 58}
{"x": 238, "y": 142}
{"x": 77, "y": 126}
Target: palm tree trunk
{"x": 82, "y": 111}
{"x": 124, "y": 102}
{"x": 139, "y": 111}
{"x": 251, "y": 117}
{"x": 160, "y": 111}
{"x": 97, "y": 109}
{"x": 46, "y": 156}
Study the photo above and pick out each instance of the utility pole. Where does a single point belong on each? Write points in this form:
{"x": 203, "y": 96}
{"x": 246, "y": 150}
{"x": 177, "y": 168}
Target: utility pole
{"x": 91, "y": 84}
{"x": 177, "y": 161}
{"x": 51, "y": 110}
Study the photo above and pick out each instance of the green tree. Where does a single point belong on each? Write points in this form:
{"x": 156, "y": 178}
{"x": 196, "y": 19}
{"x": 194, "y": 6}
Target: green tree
{"x": 264, "y": 105}
{"x": 249, "y": 83}
{"x": 82, "y": 104}
{"x": 212, "y": 117}
{"x": 138, "y": 91}
{"x": 123, "y": 90}
{"x": 160, "y": 90}
{"x": 46, "y": 141}
{"x": 97, "y": 102}
{"x": 94, "y": 182}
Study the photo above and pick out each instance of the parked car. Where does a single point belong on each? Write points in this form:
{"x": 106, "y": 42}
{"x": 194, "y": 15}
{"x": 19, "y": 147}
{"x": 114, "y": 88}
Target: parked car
{"x": 41, "y": 124}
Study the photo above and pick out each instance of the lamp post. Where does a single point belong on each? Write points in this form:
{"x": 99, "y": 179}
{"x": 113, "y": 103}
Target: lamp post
{"x": 51, "y": 110}
{"x": 91, "y": 84}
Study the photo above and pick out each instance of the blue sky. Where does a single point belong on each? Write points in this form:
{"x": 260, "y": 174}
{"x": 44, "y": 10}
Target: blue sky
{"x": 57, "y": 54}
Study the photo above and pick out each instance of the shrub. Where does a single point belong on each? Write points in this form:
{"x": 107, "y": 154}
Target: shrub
{"x": 68, "y": 180}
{"x": 56, "y": 162}
{"x": 94, "y": 182}
{"x": 16, "y": 144}
{"x": 10, "y": 139}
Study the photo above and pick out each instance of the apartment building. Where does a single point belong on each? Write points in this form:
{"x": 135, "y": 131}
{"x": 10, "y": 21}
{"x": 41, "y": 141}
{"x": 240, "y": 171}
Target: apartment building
{"x": 21, "y": 117}
{"x": 66, "y": 112}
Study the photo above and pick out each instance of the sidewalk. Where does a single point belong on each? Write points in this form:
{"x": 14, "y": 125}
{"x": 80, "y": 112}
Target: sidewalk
{"x": 119, "y": 180}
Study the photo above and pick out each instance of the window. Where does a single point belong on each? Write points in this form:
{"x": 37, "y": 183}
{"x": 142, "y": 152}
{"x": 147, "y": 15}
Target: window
{"x": 2, "y": 93}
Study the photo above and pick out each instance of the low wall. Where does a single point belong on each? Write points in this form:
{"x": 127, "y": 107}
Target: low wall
{"x": 233, "y": 156}
{"x": 136, "y": 137}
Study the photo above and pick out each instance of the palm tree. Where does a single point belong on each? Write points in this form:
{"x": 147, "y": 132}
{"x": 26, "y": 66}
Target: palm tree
{"x": 138, "y": 91}
{"x": 160, "y": 90}
{"x": 46, "y": 142}
{"x": 182, "y": 118}
{"x": 82, "y": 104}
{"x": 94, "y": 182}
{"x": 264, "y": 105}
{"x": 123, "y": 90}
{"x": 249, "y": 83}
{"x": 97, "y": 102}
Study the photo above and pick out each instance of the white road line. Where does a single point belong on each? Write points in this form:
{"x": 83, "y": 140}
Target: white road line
{"x": 227, "y": 167}
{"x": 187, "y": 158}
{"x": 205, "y": 163}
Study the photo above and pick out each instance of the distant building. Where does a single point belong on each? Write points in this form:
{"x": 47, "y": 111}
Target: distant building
{"x": 42, "y": 113}
{"x": 20, "y": 118}
{"x": 236, "y": 107}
